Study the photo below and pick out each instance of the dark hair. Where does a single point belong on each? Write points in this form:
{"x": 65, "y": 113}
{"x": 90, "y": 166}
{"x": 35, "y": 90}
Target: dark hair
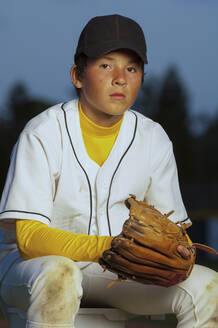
{"x": 82, "y": 61}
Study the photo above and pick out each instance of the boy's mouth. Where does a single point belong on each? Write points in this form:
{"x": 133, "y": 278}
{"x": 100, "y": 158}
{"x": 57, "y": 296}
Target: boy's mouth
{"x": 118, "y": 96}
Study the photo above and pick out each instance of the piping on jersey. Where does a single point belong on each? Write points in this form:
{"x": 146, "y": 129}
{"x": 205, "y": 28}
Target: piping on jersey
{"x": 109, "y": 193}
{"x": 87, "y": 178}
{"x": 18, "y": 211}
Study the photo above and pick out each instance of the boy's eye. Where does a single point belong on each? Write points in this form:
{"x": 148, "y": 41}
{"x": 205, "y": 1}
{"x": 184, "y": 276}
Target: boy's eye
{"x": 131, "y": 69}
{"x": 105, "y": 66}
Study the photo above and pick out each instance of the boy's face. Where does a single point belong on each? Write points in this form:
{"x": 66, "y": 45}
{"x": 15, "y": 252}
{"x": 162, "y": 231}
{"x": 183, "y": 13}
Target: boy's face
{"x": 109, "y": 86}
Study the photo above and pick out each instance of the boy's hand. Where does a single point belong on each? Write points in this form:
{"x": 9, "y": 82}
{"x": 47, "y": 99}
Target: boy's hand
{"x": 184, "y": 252}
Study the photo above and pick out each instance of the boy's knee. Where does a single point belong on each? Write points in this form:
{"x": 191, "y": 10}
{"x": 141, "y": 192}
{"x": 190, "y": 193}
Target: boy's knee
{"x": 54, "y": 262}
{"x": 208, "y": 295}
{"x": 56, "y": 293}
{"x": 202, "y": 283}
{"x": 202, "y": 288}
{"x": 203, "y": 280}
{"x": 59, "y": 276}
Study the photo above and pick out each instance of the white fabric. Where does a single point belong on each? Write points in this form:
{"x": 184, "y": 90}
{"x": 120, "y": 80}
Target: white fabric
{"x": 52, "y": 179}
{"x": 45, "y": 292}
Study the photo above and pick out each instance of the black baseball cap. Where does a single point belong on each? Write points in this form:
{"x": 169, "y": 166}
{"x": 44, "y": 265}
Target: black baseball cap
{"x": 103, "y": 34}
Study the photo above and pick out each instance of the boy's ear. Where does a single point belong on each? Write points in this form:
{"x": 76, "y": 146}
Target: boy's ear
{"x": 74, "y": 77}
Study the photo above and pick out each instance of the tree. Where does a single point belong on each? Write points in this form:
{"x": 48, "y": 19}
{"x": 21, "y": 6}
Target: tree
{"x": 207, "y": 152}
{"x": 172, "y": 114}
{"x": 21, "y": 108}
{"x": 146, "y": 102}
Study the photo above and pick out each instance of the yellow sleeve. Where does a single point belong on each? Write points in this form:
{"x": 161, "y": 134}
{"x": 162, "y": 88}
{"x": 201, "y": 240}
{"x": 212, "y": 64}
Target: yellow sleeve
{"x": 36, "y": 239}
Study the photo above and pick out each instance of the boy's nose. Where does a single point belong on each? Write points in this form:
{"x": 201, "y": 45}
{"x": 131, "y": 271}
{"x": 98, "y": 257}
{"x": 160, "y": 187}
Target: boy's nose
{"x": 119, "y": 78}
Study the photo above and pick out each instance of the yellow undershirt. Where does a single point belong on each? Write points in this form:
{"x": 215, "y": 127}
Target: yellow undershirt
{"x": 98, "y": 140}
{"x": 36, "y": 239}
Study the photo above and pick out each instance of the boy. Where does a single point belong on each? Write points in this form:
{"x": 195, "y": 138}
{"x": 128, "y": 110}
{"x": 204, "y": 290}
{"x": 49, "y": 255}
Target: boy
{"x": 64, "y": 195}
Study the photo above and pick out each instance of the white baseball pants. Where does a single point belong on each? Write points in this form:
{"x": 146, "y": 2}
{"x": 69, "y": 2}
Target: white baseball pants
{"x": 46, "y": 292}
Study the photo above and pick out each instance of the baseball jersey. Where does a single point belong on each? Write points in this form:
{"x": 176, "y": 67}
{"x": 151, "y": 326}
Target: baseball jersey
{"x": 52, "y": 179}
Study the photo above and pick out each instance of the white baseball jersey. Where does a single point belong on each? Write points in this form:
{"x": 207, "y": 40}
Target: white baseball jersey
{"x": 53, "y": 180}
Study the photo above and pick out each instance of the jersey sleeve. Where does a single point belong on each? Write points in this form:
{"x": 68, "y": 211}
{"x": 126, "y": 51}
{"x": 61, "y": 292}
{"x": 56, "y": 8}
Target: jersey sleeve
{"x": 30, "y": 182}
{"x": 164, "y": 191}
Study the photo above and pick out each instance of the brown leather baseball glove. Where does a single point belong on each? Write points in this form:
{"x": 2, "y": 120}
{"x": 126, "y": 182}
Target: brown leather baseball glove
{"x": 146, "y": 250}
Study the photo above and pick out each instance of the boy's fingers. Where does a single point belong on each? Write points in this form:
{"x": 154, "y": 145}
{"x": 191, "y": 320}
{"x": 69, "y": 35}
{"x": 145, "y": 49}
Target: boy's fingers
{"x": 183, "y": 251}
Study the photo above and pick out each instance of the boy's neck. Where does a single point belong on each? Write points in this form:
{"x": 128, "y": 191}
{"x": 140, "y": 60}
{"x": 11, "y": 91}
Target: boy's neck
{"x": 100, "y": 118}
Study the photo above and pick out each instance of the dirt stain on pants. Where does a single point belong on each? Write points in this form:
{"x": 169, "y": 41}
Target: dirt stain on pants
{"x": 60, "y": 299}
{"x": 212, "y": 305}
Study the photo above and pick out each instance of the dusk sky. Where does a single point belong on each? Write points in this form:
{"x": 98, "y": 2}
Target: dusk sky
{"x": 38, "y": 41}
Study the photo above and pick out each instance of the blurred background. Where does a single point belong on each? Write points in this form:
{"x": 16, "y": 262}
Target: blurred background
{"x": 180, "y": 91}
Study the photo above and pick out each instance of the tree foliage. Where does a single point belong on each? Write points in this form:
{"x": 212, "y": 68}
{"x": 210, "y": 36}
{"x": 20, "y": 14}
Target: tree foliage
{"x": 21, "y": 107}
{"x": 206, "y": 145}
{"x": 173, "y": 114}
